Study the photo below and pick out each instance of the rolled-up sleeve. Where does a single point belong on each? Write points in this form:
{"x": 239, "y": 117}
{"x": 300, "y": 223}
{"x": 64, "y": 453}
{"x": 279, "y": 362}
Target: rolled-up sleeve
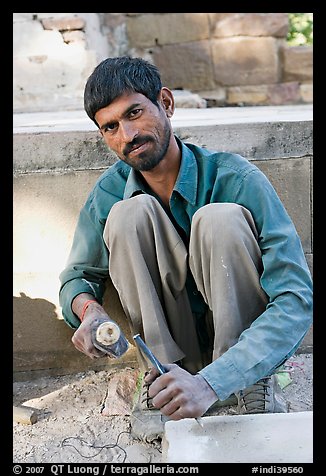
{"x": 87, "y": 268}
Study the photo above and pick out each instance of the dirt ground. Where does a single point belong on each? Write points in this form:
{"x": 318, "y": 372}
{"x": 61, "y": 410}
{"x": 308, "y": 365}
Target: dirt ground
{"x": 71, "y": 428}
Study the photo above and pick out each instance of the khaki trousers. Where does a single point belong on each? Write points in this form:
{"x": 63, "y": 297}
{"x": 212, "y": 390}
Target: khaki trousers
{"x": 148, "y": 267}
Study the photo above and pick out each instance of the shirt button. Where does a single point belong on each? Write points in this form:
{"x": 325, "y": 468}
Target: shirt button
{"x": 195, "y": 293}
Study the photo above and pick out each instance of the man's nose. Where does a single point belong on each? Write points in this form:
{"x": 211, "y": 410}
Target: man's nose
{"x": 128, "y": 132}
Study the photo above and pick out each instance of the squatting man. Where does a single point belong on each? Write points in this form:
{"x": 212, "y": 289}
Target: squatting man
{"x": 206, "y": 261}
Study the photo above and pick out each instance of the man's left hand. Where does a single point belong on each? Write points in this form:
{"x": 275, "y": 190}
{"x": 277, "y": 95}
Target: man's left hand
{"x": 179, "y": 394}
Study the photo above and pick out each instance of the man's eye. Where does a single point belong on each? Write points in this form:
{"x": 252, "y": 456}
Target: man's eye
{"x": 134, "y": 112}
{"x": 110, "y": 127}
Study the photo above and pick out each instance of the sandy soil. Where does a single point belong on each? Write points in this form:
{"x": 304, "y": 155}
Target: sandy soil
{"x": 71, "y": 428}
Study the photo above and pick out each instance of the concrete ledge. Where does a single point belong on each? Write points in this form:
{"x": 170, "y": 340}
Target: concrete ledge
{"x": 64, "y": 121}
{"x": 50, "y": 142}
{"x": 269, "y": 438}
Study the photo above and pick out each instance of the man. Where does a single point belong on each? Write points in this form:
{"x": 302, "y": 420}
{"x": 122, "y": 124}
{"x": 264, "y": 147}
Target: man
{"x": 206, "y": 261}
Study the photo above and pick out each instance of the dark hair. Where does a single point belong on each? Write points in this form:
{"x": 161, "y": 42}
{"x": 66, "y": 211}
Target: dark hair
{"x": 115, "y": 76}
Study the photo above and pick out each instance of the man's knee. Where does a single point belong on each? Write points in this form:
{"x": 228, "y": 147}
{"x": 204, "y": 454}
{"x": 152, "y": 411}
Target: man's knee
{"x": 219, "y": 214}
{"x": 126, "y": 213}
{"x": 223, "y": 222}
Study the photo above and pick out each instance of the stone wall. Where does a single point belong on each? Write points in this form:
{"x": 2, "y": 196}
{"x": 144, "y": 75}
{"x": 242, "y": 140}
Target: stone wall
{"x": 226, "y": 58}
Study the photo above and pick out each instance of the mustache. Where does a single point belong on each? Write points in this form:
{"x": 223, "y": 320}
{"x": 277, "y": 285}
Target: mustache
{"x": 139, "y": 140}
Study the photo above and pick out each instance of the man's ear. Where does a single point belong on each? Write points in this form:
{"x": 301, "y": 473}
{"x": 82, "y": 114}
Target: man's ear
{"x": 167, "y": 101}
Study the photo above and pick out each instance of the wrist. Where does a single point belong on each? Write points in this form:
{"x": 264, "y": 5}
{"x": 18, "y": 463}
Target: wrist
{"x": 86, "y": 304}
{"x": 207, "y": 389}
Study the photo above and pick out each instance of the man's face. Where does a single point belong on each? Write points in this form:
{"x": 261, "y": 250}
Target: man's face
{"x": 137, "y": 130}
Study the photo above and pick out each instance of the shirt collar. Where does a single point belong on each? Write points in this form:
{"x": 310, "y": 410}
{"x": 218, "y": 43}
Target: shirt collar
{"x": 187, "y": 179}
{"x": 186, "y": 183}
{"x": 133, "y": 184}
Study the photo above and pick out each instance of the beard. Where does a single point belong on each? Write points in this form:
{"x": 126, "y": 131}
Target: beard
{"x": 148, "y": 159}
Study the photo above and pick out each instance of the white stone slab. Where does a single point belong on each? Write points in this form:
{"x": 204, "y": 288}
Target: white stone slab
{"x": 260, "y": 438}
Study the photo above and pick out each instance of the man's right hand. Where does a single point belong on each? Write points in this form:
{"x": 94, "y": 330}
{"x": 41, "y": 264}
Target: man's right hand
{"x": 82, "y": 338}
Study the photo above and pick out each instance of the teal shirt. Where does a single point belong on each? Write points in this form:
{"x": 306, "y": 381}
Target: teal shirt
{"x": 209, "y": 177}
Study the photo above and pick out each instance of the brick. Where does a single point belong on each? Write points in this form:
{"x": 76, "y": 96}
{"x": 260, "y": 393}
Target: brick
{"x": 284, "y": 93}
{"x": 247, "y": 95}
{"x": 268, "y": 94}
{"x": 215, "y": 97}
{"x": 74, "y": 36}
{"x": 252, "y": 24}
{"x": 185, "y": 66}
{"x": 306, "y": 92}
{"x": 152, "y": 29}
{"x": 292, "y": 181}
{"x": 243, "y": 61}
{"x": 63, "y": 24}
{"x": 297, "y": 63}
{"x": 184, "y": 98}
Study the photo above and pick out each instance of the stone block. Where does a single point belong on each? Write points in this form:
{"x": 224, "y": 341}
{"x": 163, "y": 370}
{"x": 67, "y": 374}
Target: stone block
{"x": 292, "y": 181}
{"x": 150, "y": 29}
{"x": 74, "y": 36}
{"x": 262, "y": 438}
{"x": 284, "y": 93}
{"x": 248, "y": 95}
{"x": 62, "y": 151}
{"x": 255, "y": 140}
{"x": 215, "y": 97}
{"x": 121, "y": 392}
{"x": 297, "y": 63}
{"x": 194, "y": 66}
{"x": 307, "y": 92}
{"x": 252, "y": 24}
{"x": 244, "y": 61}
{"x": 184, "y": 98}
{"x": 264, "y": 94}
{"x": 68, "y": 23}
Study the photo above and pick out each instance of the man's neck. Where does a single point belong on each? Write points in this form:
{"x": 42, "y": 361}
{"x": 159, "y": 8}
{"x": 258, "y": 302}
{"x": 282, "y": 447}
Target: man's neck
{"x": 163, "y": 177}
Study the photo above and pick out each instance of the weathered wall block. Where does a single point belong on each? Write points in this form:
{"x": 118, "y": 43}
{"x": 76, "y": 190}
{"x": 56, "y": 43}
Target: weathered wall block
{"x": 306, "y": 92}
{"x": 251, "y": 24}
{"x": 297, "y": 63}
{"x": 194, "y": 71}
{"x": 245, "y": 61}
{"x": 152, "y": 29}
{"x": 64, "y": 24}
{"x": 291, "y": 178}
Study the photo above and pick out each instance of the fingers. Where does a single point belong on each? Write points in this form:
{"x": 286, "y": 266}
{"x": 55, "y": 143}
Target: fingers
{"x": 165, "y": 393}
{"x": 175, "y": 393}
{"x": 151, "y": 376}
{"x": 175, "y": 408}
{"x": 86, "y": 347}
{"x": 165, "y": 403}
{"x": 158, "y": 382}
